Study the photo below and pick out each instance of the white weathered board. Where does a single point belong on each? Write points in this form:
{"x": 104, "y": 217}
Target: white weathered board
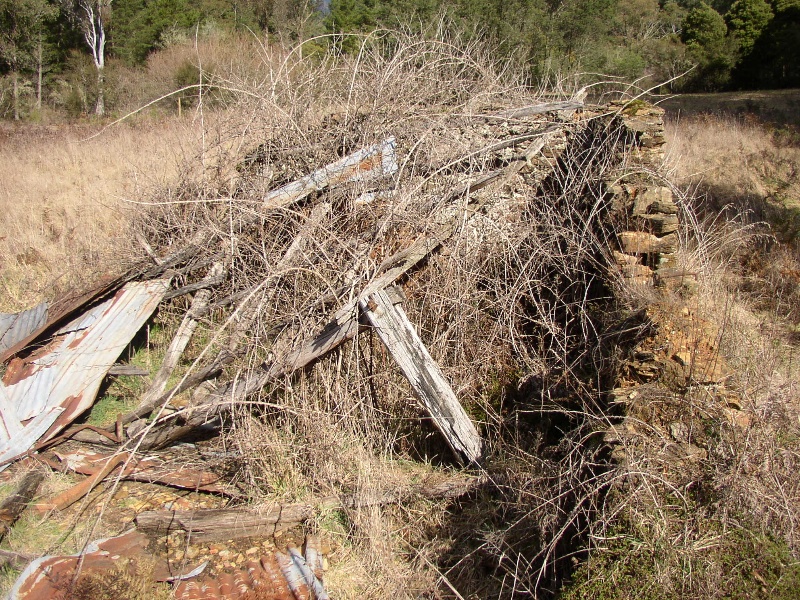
{"x": 426, "y": 378}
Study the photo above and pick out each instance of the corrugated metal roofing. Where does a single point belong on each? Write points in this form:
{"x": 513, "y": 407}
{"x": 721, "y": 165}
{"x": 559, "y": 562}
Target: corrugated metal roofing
{"x": 16, "y": 327}
{"x": 45, "y": 392}
{"x": 274, "y": 576}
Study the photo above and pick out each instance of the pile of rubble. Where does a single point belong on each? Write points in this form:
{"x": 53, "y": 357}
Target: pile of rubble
{"x": 340, "y": 246}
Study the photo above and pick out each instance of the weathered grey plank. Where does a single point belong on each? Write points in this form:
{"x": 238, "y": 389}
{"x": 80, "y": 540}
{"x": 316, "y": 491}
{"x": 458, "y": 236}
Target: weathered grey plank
{"x": 178, "y": 344}
{"x": 426, "y": 378}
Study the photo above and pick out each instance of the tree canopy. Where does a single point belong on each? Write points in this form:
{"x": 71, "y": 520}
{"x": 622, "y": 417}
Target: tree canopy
{"x": 730, "y": 43}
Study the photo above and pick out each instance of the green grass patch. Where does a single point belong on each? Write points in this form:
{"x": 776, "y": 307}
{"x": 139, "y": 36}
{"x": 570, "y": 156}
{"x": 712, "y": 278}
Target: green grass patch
{"x": 737, "y": 563}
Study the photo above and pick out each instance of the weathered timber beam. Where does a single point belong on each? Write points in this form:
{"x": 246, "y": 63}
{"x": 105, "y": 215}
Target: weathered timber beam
{"x": 426, "y": 378}
{"x": 209, "y": 525}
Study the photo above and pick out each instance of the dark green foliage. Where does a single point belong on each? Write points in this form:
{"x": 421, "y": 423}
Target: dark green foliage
{"x": 138, "y": 25}
{"x": 774, "y": 61}
{"x": 24, "y": 40}
{"x": 709, "y": 47}
{"x": 747, "y": 20}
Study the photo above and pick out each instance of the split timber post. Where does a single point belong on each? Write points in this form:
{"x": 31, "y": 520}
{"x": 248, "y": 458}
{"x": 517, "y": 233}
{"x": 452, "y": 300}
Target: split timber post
{"x": 426, "y": 378}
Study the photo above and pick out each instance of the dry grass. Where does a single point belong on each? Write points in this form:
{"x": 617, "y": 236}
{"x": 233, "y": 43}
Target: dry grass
{"x": 704, "y": 500}
{"x": 65, "y": 201}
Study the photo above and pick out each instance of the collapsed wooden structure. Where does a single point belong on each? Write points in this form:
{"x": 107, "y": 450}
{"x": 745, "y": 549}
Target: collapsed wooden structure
{"x": 474, "y": 195}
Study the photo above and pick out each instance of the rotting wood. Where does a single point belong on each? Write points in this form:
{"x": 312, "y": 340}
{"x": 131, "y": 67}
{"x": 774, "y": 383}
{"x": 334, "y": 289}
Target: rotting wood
{"x": 215, "y": 524}
{"x": 178, "y": 344}
{"x": 209, "y": 525}
{"x": 12, "y": 507}
{"x": 344, "y": 325}
{"x": 368, "y": 164}
{"x": 426, "y": 378}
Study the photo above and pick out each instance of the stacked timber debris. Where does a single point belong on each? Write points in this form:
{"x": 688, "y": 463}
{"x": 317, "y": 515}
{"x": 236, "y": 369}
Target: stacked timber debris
{"x": 498, "y": 225}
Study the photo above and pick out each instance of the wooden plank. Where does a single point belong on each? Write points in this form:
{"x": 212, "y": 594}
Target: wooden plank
{"x": 426, "y": 378}
{"x": 207, "y": 525}
{"x": 217, "y": 524}
{"x": 178, "y": 344}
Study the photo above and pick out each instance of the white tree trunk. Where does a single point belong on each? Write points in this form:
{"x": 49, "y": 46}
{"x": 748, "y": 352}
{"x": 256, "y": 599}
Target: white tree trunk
{"x": 95, "y": 35}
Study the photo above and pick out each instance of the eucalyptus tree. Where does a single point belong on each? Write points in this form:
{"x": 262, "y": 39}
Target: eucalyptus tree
{"x": 92, "y": 18}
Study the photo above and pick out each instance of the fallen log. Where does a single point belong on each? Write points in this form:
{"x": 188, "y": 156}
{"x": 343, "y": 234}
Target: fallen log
{"x": 209, "y": 525}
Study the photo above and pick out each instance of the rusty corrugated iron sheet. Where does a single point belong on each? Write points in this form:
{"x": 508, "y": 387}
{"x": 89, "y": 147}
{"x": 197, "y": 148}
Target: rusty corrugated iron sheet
{"x": 275, "y": 576}
{"x": 51, "y": 577}
{"x": 46, "y": 391}
{"x": 64, "y": 309}
{"x": 150, "y": 469}
{"x": 16, "y": 327}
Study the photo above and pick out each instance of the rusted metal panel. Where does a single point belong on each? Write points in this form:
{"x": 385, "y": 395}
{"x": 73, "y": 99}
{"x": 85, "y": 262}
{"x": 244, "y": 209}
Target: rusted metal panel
{"x": 63, "y": 309}
{"x": 272, "y": 577}
{"x": 16, "y": 327}
{"x": 46, "y": 391}
{"x": 150, "y": 469}
{"x": 50, "y": 576}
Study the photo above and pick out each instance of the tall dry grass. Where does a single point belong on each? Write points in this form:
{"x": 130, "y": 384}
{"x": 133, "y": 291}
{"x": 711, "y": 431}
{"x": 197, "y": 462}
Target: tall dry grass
{"x": 66, "y": 201}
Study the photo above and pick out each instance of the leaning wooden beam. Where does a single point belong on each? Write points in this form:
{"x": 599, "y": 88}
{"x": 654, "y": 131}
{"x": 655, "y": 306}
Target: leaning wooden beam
{"x": 181, "y": 339}
{"x": 426, "y": 378}
{"x": 12, "y": 507}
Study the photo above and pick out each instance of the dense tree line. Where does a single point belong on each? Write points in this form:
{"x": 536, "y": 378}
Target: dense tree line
{"x": 729, "y": 44}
